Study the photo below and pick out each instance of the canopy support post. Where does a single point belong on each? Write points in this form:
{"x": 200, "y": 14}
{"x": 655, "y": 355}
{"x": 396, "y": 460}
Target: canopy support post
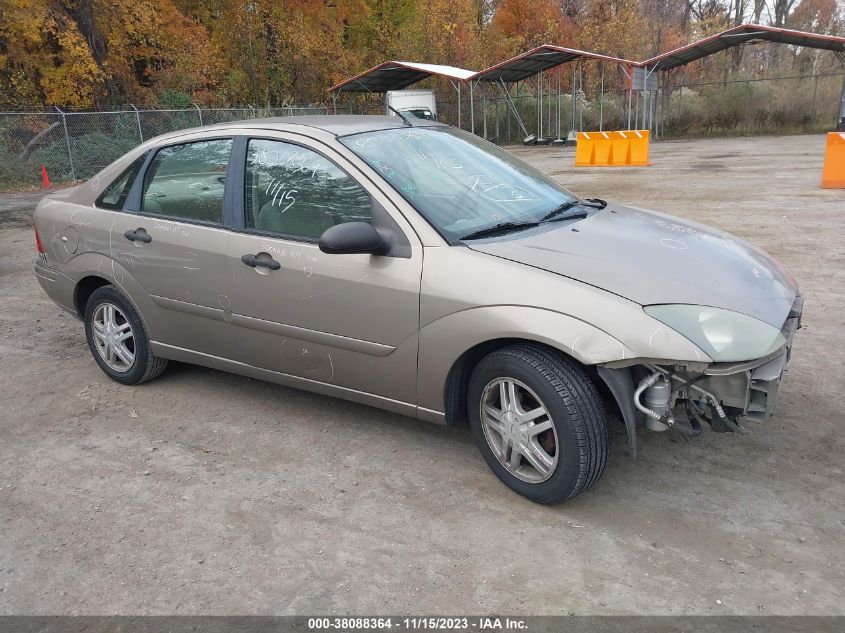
{"x": 558, "y": 105}
{"x": 471, "y": 107}
{"x": 629, "y": 72}
{"x": 840, "y": 125}
{"x": 459, "y": 106}
{"x": 457, "y": 86}
{"x": 580, "y": 91}
{"x": 601, "y": 97}
{"x": 539, "y": 108}
{"x": 573, "y": 107}
{"x": 512, "y": 106}
{"x": 484, "y": 110}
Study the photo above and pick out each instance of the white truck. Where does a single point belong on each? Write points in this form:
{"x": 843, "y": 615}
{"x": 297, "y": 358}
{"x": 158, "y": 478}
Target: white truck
{"x": 419, "y": 103}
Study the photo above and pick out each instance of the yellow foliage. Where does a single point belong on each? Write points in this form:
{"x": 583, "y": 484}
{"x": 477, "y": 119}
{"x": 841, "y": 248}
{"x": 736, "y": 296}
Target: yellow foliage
{"x": 81, "y": 53}
{"x": 47, "y": 62}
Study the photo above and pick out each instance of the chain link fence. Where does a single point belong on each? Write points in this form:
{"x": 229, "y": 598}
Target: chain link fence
{"x": 801, "y": 103}
{"x": 76, "y": 145}
{"x": 738, "y": 106}
{"x": 733, "y": 106}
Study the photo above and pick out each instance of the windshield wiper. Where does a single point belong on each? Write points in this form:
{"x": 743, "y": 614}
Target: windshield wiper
{"x": 504, "y": 227}
{"x": 558, "y": 212}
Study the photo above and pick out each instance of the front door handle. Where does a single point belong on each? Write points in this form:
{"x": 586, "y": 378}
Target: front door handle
{"x": 135, "y": 236}
{"x": 252, "y": 261}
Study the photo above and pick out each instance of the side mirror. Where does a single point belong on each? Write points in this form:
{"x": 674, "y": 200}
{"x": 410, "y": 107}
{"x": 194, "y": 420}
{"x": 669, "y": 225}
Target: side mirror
{"x": 352, "y": 237}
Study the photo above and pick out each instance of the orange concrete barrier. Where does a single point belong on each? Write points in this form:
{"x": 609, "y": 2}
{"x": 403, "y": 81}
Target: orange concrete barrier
{"x": 628, "y": 148}
{"x": 833, "y": 172}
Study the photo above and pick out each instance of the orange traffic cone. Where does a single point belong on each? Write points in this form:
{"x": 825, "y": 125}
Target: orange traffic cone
{"x": 833, "y": 171}
{"x": 45, "y": 179}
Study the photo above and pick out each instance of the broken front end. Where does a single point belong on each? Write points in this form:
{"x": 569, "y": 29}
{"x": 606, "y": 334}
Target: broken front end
{"x": 661, "y": 395}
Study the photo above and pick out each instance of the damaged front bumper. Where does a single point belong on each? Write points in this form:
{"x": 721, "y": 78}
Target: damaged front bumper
{"x": 661, "y": 395}
{"x": 750, "y": 389}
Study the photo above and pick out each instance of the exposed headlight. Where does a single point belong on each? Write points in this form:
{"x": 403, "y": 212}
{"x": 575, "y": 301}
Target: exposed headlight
{"x": 725, "y": 335}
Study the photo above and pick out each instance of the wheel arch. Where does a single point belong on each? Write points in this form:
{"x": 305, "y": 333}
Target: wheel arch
{"x": 615, "y": 385}
{"x": 457, "y": 379}
{"x": 92, "y": 271}
{"x": 85, "y": 287}
{"x": 456, "y": 338}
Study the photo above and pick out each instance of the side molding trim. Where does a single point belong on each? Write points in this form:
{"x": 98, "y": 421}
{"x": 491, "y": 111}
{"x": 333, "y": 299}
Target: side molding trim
{"x": 215, "y": 362}
{"x": 280, "y": 329}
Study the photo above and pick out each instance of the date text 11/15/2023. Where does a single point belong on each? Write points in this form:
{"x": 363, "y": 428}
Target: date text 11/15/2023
{"x": 431, "y": 623}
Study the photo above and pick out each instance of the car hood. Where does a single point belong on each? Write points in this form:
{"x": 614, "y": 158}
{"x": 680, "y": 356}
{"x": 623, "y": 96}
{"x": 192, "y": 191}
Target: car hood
{"x": 650, "y": 257}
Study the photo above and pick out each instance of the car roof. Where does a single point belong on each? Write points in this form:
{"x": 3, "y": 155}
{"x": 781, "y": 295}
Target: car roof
{"x": 335, "y": 124}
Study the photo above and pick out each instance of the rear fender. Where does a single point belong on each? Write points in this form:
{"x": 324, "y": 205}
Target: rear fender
{"x": 99, "y": 265}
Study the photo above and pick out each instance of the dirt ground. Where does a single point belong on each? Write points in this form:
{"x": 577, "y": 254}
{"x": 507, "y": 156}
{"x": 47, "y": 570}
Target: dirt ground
{"x": 207, "y": 493}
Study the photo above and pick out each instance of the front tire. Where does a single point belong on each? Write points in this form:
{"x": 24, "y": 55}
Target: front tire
{"x": 118, "y": 339}
{"x": 539, "y": 422}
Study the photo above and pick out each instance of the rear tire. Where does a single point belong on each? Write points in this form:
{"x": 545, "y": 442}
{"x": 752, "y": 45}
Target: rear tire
{"x": 118, "y": 338}
{"x": 539, "y": 422}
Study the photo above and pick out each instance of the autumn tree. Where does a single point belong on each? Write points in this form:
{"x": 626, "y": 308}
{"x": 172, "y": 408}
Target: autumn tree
{"x": 44, "y": 60}
{"x": 518, "y": 25}
{"x": 82, "y": 53}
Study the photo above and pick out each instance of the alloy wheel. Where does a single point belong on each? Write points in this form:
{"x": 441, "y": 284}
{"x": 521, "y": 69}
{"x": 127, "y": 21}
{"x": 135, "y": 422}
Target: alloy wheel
{"x": 519, "y": 430}
{"x": 113, "y": 337}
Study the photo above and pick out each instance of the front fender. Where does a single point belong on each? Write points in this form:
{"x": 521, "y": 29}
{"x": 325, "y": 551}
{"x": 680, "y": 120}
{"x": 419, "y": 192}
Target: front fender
{"x": 444, "y": 340}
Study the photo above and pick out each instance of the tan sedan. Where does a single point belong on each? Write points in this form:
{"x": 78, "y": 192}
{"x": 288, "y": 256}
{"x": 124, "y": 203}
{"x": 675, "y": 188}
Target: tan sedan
{"x": 417, "y": 268}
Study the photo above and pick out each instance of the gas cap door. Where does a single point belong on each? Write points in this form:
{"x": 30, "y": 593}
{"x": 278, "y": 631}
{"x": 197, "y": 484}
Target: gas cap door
{"x": 70, "y": 240}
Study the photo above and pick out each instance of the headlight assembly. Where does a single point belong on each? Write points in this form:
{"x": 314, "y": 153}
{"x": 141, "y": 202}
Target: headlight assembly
{"x": 725, "y": 335}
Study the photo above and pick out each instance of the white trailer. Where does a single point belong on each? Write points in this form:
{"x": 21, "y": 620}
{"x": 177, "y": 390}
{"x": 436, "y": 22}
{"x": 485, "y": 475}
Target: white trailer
{"x": 419, "y": 103}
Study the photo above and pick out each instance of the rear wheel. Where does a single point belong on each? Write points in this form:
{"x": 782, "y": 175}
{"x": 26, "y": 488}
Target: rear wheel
{"x": 539, "y": 422}
{"x": 118, "y": 339}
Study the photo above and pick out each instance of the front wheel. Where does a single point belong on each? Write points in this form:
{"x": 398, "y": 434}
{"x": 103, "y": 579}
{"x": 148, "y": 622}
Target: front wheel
{"x": 539, "y": 422}
{"x": 118, "y": 339}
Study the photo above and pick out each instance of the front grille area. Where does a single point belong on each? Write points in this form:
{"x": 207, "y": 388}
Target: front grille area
{"x": 763, "y": 388}
{"x": 765, "y": 379}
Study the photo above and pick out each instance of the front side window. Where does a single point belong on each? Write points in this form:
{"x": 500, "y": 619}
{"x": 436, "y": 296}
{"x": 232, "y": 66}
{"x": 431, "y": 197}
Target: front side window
{"x": 188, "y": 181}
{"x": 114, "y": 196}
{"x": 292, "y": 190}
{"x": 457, "y": 181}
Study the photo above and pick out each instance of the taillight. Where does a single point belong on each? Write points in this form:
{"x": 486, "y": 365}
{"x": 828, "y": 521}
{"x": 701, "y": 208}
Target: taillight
{"x": 38, "y": 241}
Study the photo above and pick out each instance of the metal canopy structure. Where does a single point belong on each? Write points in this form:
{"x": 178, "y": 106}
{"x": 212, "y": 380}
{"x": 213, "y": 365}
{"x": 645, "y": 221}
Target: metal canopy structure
{"x": 642, "y": 76}
{"x": 538, "y": 60}
{"x": 394, "y": 75}
{"x": 742, "y": 34}
{"x": 534, "y": 63}
{"x": 750, "y": 34}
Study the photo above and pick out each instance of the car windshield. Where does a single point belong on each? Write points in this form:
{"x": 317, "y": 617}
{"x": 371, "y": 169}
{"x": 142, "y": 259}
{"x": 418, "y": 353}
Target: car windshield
{"x": 460, "y": 183}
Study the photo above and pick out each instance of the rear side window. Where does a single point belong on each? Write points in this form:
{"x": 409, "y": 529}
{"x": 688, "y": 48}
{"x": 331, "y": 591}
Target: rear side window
{"x": 114, "y": 196}
{"x": 294, "y": 191}
{"x": 188, "y": 181}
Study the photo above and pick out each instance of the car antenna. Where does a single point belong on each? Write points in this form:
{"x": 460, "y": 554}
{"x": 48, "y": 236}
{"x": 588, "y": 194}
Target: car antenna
{"x": 405, "y": 119}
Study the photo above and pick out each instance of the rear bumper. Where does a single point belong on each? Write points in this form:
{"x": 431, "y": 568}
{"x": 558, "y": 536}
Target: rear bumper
{"x": 59, "y": 287}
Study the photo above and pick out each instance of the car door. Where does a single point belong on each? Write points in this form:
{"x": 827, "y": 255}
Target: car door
{"x": 170, "y": 239}
{"x": 349, "y": 320}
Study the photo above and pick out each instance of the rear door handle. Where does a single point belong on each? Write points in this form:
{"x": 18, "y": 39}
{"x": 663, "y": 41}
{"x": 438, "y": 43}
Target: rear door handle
{"x": 134, "y": 236}
{"x": 252, "y": 261}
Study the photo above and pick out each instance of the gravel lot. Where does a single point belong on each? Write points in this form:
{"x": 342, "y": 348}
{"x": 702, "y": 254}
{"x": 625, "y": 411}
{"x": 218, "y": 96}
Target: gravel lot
{"x": 207, "y": 493}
